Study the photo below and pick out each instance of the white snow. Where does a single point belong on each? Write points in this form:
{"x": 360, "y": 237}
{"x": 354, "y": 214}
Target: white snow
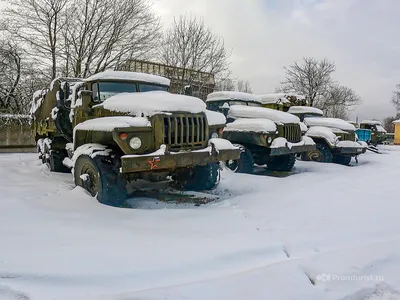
{"x": 91, "y": 150}
{"x": 218, "y": 96}
{"x": 240, "y": 111}
{"x": 279, "y": 98}
{"x": 303, "y": 127}
{"x": 396, "y": 122}
{"x": 282, "y": 142}
{"x": 251, "y": 125}
{"x": 221, "y": 144}
{"x": 151, "y": 103}
{"x": 60, "y": 243}
{"x": 305, "y": 110}
{"x": 379, "y": 128}
{"x": 110, "y": 123}
{"x": 265, "y": 238}
{"x": 215, "y": 118}
{"x": 129, "y": 76}
{"x": 371, "y": 122}
{"x": 348, "y": 144}
{"x": 329, "y": 122}
{"x": 37, "y": 100}
{"x": 322, "y": 132}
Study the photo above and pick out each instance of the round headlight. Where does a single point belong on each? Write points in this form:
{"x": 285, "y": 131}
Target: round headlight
{"x": 214, "y": 135}
{"x": 269, "y": 140}
{"x": 135, "y": 143}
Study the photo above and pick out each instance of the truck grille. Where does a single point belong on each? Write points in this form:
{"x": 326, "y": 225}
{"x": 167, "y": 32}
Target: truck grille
{"x": 292, "y": 133}
{"x": 185, "y": 132}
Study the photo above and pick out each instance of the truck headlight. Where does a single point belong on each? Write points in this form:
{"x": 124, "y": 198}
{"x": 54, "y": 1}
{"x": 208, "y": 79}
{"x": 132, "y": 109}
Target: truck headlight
{"x": 214, "y": 135}
{"x": 269, "y": 140}
{"x": 135, "y": 143}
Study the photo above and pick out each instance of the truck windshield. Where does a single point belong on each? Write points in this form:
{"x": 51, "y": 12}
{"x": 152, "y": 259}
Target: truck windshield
{"x": 108, "y": 89}
{"x": 146, "y": 87}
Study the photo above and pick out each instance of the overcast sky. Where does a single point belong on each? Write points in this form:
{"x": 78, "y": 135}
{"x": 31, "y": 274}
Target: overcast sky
{"x": 361, "y": 36}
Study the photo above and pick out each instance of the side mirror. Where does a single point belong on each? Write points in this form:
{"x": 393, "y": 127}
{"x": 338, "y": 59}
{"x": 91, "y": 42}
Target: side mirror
{"x": 87, "y": 101}
{"x": 188, "y": 90}
{"x": 225, "y": 108}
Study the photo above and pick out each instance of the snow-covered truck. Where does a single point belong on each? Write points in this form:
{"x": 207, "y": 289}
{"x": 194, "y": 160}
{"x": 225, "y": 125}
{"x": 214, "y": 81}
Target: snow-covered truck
{"x": 335, "y": 138}
{"x": 265, "y": 136}
{"x": 117, "y": 127}
{"x": 378, "y": 133}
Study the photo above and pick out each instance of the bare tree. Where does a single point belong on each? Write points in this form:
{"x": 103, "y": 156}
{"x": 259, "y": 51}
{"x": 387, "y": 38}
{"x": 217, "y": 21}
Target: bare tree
{"x": 195, "y": 49}
{"x": 311, "y": 78}
{"x": 338, "y": 101}
{"x": 388, "y": 123}
{"x": 10, "y": 76}
{"x": 396, "y": 98}
{"x": 100, "y": 34}
{"x": 244, "y": 86}
{"x": 37, "y": 24}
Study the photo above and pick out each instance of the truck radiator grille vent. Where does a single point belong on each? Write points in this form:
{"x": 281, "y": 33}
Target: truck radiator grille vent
{"x": 292, "y": 133}
{"x": 185, "y": 132}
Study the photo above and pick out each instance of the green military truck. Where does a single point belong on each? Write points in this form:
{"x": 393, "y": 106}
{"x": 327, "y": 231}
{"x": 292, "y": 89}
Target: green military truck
{"x": 265, "y": 136}
{"x": 335, "y": 138}
{"x": 378, "y": 135}
{"x": 117, "y": 127}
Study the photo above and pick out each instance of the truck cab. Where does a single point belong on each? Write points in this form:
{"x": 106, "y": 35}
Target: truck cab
{"x": 117, "y": 127}
{"x": 265, "y": 136}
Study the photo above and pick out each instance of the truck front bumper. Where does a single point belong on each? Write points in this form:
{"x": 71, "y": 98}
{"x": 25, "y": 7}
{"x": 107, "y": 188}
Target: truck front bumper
{"x": 352, "y": 151}
{"x": 349, "y": 148}
{"x": 306, "y": 145}
{"x": 172, "y": 161}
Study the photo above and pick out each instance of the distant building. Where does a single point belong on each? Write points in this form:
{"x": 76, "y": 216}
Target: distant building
{"x": 202, "y": 83}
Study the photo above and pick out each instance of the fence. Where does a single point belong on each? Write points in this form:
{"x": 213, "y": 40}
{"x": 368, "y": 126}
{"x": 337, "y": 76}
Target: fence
{"x": 16, "y": 134}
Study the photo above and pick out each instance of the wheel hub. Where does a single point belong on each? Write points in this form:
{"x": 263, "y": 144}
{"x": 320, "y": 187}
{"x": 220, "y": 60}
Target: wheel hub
{"x": 91, "y": 182}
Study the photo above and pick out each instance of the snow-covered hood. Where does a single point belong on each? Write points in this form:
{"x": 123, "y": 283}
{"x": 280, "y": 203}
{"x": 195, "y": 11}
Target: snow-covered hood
{"x": 241, "y": 111}
{"x": 329, "y": 122}
{"x": 152, "y": 103}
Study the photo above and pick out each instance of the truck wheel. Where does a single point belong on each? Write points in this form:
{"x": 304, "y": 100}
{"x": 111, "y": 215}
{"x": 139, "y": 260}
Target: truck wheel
{"x": 100, "y": 179}
{"x": 321, "y": 154}
{"x": 203, "y": 178}
{"x": 245, "y": 164}
{"x": 342, "y": 160}
{"x": 282, "y": 163}
{"x": 56, "y": 161}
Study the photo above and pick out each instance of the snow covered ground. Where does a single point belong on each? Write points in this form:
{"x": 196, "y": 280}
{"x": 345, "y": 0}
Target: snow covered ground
{"x": 325, "y": 232}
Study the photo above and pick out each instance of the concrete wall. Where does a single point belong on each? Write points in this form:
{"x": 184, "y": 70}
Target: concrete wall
{"x": 16, "y": 134}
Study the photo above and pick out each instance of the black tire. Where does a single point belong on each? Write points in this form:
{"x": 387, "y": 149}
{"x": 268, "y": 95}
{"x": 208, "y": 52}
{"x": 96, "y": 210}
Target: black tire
{"x": 245, "y": 164}
{"x": 321, "y": 154}
{"x": 342, "y": 160}
{"x": 203, "y": 178}
{"x": 56, "y": 161}
{"x": 103, "y": 180}
{"x": 282, "y": 163}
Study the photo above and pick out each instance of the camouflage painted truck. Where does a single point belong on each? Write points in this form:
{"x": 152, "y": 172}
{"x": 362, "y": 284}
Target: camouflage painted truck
{"x": 117, "y": 127}
{"x": 335, "y": 139}
{"x": 265, "y": 136}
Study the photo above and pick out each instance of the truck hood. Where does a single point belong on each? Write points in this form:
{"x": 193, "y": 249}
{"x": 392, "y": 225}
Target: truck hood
{"x": 241, "y": 111}
{"x": 329, "y": 122}
{"x": 152, "y": 103}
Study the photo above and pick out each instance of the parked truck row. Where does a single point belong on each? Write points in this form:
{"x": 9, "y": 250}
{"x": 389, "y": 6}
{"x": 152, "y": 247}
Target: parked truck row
{"x": 114, "y": 128}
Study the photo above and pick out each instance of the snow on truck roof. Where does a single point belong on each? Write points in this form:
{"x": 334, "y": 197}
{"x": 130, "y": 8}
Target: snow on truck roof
{"x": 305, "y": 110}
{"x": 218, "y": 96}
{"x": 151, "y": 103}
{"x": 129, "y": 76}
{"x": 371, "y": 122}
{"x": 240, "y": 111}
{"x": 279, "y": 97}
{"x": 329, "y": 122}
